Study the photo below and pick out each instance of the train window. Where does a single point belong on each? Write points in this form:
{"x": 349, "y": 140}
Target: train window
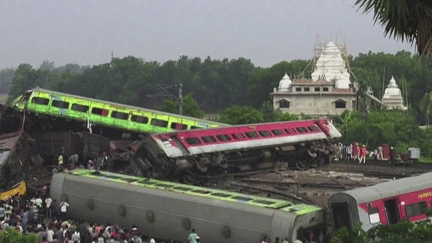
{"x": 181, "y": 188}
{"x": 119, "y": 115}
{"x": 208, "y": 139}
{"x": 220, "y": 194}
{"x": 416, "y": 209}
{"x": 277, "y": 132}
{"x": 112, "y": 177}
{"x": 145, "y": 182}
{"x": 193, "y": 140}
{"x": 99, "y": 111}
{"x": 159, "y": 123}
{"x": 238, "y": 136}
{"x": 40, "y": 101}
{"x": 373, "y": 215}
{"x": 313, "y": 128}
{"x": 139, "y": 119}
{"x": 77, "y": 107}
{"x": 201, "y": 191}
{"x": 163, "y": 185}
{"x": 301, "y": 129}
{"x": 264, "y": 133}
{"x": 251, "y": 134}
{"x": 290, "y": 130}
{"x": 178, "y": 126}
{"x": 60, "y": 104}
{"x": 265, "y": 202}
{"x": 223, "y": 137}
{"x": 242, "y": 198}
{"x": 194, "y": 127}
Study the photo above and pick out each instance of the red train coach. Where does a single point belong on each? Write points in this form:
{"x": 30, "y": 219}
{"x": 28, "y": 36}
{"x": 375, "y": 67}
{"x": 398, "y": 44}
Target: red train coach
{"x": 384, "y": 203}
{"x": 241, "y": 148}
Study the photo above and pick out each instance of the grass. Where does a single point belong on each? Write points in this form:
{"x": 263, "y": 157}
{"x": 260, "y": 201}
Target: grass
{"x": 425, "y": 160}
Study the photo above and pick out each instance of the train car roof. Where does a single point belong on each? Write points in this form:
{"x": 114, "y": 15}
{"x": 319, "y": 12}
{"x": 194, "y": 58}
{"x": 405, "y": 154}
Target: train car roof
{"x": 128, "y": 106}
{"x": 386, "y": 189}
{"x": 172, "y": 187}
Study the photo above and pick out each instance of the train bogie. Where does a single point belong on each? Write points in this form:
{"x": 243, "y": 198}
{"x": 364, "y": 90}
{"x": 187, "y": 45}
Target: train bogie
{"x": 170, "y": 210}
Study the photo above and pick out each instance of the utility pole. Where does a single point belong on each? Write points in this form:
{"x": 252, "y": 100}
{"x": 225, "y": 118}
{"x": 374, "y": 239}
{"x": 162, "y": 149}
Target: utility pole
{"x": 163, "y": 92}
{"x": 180, "y": 87}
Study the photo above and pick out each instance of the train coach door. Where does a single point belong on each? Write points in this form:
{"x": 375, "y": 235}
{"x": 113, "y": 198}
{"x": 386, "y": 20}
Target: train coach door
{"x": 392, "y": 211}
{"x": 341, "y": 215}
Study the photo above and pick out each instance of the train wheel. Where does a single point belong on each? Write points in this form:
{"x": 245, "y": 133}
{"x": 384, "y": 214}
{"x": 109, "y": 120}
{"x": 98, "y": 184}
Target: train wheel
{"x": 188, "y": 178}
{"x": 301, "y": 165}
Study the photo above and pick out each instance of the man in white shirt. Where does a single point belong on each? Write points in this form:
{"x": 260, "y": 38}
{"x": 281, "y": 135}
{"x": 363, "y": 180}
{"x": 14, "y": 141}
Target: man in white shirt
{"x": 63, "y": 209}
{"x": 48, "y": 202}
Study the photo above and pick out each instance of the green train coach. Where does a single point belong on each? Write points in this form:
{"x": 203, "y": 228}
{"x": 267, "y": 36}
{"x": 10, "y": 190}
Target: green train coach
{"x": 105, "y": 113}
{"x": 170, "y": 210}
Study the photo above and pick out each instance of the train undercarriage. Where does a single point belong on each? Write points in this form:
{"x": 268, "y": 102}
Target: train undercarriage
{"x": 150, "y": 161}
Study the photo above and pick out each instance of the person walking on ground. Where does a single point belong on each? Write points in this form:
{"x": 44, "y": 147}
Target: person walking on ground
{"x": 392, "y": 156}
{"x": 192, "y": 237}
{"x": 363, "y": 154}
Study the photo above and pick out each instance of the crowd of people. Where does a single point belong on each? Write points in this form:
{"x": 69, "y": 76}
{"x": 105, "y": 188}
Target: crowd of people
{"x": 360, "y": 153}
{"x": 46, "y": 218}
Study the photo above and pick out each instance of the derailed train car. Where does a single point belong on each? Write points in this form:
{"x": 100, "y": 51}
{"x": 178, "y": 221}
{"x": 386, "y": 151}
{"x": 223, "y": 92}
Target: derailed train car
{"x": 14, "y": 150}
{"x": 45, "y": 103}
{"x": 239, "y": 148}
{"x": 170, "y": 210}
{"x": 383, "y": 204}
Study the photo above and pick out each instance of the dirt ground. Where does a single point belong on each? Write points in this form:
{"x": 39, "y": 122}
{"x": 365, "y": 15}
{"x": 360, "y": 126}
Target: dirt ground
{"x": 315, "y": 186}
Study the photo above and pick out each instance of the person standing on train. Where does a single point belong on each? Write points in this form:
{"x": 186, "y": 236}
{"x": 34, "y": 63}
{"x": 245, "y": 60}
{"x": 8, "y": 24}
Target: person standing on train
{"x": 363, "y": 154}
{"x": 192, "y": 237}
{"x": 392, "y": 156}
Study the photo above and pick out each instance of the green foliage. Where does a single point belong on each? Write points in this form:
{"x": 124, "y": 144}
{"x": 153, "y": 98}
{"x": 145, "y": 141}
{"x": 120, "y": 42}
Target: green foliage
{"x": 10, "y": 235}
{"x": 400, "y": 232}
{"x": 393, "y": 127}
{"x": 6, "y": 78}
{"x": 190, "y": 107}
{"x": 241, "y": 115}
{"x": 407, "y": 20}
{"x": 271, "y": 115}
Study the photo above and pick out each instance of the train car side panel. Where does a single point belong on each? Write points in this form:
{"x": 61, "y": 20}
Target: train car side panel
{"x": 164, "y": 217}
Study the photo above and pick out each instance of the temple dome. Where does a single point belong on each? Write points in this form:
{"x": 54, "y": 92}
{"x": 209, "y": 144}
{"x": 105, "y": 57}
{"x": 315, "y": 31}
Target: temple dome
{"x": 285, "y": 83}
{"x": 392, "y": 90}
{"x": 330, "y": 65}
{"x": 393, "y": 96}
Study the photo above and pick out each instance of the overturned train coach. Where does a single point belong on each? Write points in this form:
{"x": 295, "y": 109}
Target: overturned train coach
{"x": 383, "y": 204}
{"x": 170, "y": 210}
{"x": 240, "y": 148}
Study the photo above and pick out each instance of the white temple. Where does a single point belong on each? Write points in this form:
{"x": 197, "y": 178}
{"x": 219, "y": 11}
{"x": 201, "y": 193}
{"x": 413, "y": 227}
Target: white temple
{"x": 331, "y": 67}
{"x": 328, "y": 93}
{"x": 285, "y": 83}
{"x": 393, "y": 97}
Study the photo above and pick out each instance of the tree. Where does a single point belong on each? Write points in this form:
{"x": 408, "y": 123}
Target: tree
{"x": 409, "y": 20}
{"x": 10, "y": 235}
{"x": 241, "y": 115}
{"x": 425, "y": 106}
{"x": 6, "y": 78}
{"x": 26, "y": 78}
{"x": 190, "y": 107}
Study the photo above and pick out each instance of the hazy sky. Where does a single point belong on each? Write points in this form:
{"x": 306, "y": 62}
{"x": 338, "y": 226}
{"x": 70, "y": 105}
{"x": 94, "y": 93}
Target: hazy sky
{"x": 85, "y": 32}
